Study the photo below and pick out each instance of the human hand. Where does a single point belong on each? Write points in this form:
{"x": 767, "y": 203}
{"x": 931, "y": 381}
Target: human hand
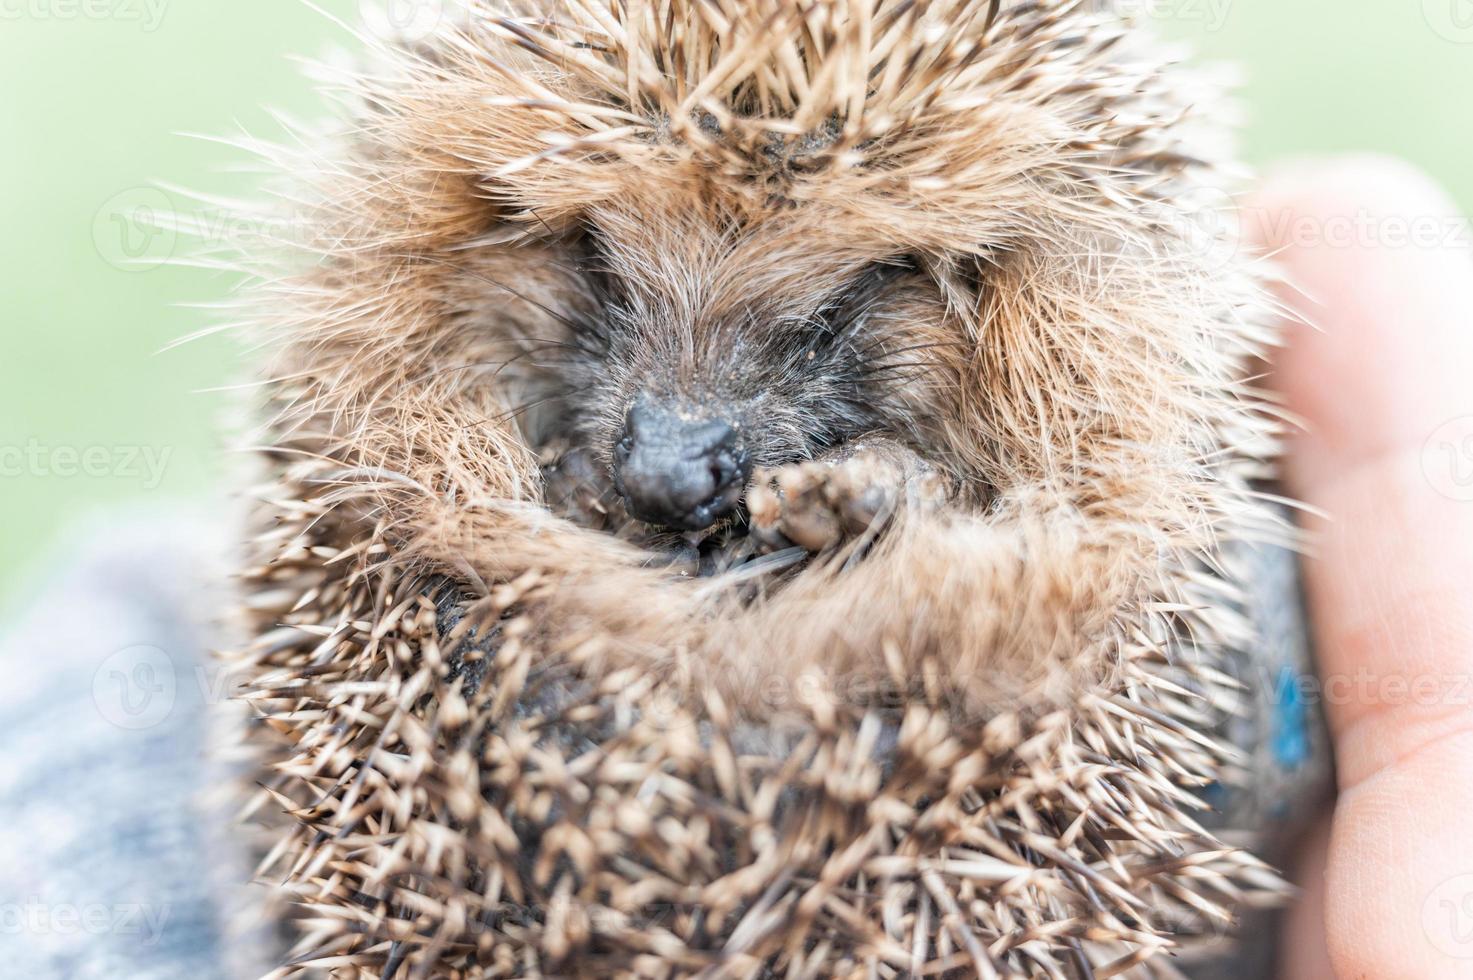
{"x": 1380, "y": 265}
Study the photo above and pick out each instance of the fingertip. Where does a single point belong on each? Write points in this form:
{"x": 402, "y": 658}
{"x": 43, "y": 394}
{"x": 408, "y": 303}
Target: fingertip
{"x": 1400, "y": 871}
{"x": 1377, "y": 265}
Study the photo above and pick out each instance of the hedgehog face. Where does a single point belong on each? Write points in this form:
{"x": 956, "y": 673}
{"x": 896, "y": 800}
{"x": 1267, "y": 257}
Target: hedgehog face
{"x": 715, "y": 346}
{"x": 686, "y": 335}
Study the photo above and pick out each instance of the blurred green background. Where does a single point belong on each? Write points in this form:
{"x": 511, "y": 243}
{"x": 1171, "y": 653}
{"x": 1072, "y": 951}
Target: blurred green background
{"x": 96, "y": 91}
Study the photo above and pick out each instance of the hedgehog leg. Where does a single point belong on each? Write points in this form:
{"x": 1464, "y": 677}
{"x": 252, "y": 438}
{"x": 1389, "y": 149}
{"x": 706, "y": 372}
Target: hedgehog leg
{"x": 826, "y": 502}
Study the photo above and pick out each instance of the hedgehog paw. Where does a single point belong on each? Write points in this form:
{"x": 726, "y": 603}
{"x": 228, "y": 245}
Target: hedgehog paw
{"x": 824, "y": 503}
{"x": 577, "y": 486}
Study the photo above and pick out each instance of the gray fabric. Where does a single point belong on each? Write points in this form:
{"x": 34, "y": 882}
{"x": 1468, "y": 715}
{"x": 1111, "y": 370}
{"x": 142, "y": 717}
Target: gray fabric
{"x": 110, "y": 854}
{"x": 1288, "y": 778}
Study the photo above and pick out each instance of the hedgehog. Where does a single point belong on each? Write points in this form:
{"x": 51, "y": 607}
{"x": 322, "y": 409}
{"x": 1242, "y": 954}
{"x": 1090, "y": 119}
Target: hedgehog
{"x": 763, "y": 488}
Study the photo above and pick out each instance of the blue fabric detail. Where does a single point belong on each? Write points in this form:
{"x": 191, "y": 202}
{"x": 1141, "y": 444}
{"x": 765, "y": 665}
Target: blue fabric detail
{"x": 1291, "y": 746}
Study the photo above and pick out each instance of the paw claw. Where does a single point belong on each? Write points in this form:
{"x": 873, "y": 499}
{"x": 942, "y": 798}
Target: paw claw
{"x": 819, "y": 505}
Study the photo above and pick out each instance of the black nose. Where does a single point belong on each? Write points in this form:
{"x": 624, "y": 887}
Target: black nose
{"x": 679, "y": 469}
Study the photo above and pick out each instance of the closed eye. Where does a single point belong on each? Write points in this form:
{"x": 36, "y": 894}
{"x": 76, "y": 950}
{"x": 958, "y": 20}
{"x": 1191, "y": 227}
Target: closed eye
{"x": 597, "y": 267}
{"x": 846, "y": 308}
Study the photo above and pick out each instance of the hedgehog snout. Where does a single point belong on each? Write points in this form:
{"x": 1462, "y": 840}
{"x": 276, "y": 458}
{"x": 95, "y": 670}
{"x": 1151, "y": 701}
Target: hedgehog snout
{"x": 679, "y": 468}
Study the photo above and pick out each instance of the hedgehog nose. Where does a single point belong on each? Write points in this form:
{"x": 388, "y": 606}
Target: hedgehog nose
{"x": 679, "y": 470}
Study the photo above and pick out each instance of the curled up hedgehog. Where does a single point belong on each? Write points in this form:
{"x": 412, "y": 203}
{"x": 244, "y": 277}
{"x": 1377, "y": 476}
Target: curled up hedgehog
{"x": 769, "y": 488}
